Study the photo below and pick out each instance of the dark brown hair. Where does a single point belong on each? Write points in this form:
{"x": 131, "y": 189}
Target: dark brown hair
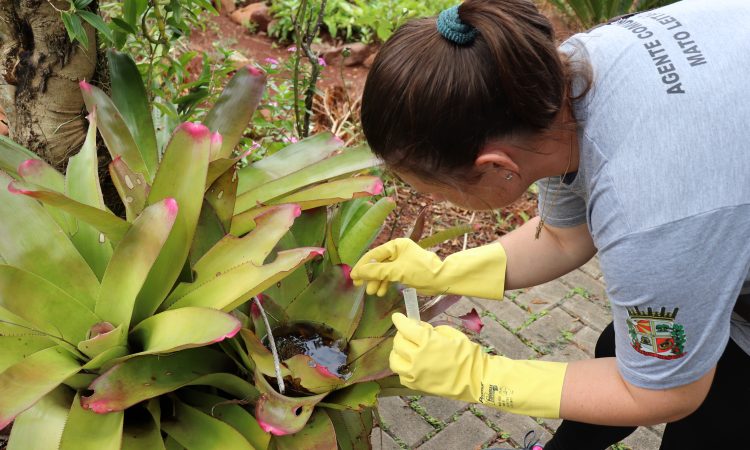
{"x": 430, "y": 105}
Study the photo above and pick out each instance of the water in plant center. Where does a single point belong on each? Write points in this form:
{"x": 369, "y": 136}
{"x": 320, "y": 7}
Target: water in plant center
{"x": 317, "y": 341}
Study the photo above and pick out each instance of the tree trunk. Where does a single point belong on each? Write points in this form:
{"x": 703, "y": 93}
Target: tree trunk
{"x": 39, "y": 73}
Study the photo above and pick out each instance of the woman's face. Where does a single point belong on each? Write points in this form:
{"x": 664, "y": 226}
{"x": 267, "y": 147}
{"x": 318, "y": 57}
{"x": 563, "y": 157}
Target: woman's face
{"x": 491, "y": 191}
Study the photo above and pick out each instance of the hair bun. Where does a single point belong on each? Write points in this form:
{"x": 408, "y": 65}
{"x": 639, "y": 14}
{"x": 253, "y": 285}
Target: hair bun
{"x": 451, "y": 27}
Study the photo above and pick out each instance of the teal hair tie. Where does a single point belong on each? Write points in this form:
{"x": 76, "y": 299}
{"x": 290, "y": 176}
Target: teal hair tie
{"x": 449, "y": 25}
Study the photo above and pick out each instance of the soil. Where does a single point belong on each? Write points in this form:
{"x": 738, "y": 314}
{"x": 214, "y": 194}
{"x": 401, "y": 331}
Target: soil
{"x": 489, "y": 225}
{"x": 258, "y": 46}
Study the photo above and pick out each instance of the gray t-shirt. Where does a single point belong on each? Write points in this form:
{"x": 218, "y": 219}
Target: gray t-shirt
{"x": 664, "y": 182}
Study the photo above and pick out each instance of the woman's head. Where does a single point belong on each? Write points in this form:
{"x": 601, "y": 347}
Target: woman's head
{"x": 431, "y": 106}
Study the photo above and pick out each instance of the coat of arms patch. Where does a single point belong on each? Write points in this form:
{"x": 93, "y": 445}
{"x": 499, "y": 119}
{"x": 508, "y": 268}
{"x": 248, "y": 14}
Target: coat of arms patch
{"x": 655, "y": 333}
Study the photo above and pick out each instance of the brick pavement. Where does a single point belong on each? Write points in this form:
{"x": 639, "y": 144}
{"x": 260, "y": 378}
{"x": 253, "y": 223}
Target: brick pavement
{"x": 557, "y": 321}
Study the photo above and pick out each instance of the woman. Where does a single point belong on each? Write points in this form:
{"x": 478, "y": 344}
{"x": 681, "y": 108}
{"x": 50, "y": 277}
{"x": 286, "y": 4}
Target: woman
{"x": 637, "y": 132}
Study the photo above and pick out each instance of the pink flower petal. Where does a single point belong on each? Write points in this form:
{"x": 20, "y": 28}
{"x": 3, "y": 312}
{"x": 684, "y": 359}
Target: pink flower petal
{"x": 472, "y": 321}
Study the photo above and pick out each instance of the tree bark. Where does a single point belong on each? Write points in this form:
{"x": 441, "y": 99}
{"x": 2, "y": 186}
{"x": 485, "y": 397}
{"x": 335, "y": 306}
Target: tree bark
{"x": 39, "y": 73}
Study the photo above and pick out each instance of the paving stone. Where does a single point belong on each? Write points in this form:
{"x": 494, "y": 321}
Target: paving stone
{"x": 593, "y": 268}
{"x": 580, "y": 279}
{"x": 567, "y": 353}
{"x": 544, "y": 296}
{"x": 441, "y": 408}
{"x": 643, "y": 439}
{"x": 515, "y": 425}
{"x": 586, "y": 339}
{"x": 658, "y": 429}
{"x": 505, "y": 342}
{"x": 505, "y": 311}
{"x": 552, "y": 423}
{"x": 463, "y": 306}
{"x": 590, "y": 312}
{"x": 466, "y": 433}
{"x": 381, "y": 440}
{"x": 402, "y": 421}
{"x": 546, "y": 330}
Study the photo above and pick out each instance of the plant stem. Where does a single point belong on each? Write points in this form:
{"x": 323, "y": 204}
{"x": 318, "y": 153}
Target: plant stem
{"x": 272, "y": 342}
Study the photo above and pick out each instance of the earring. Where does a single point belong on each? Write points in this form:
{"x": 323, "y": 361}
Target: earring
{"x": 509, "y": 176}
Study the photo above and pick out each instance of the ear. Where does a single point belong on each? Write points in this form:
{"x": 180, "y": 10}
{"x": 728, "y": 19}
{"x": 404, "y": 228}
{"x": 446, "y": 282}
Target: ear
{"x": 494, "y": 158}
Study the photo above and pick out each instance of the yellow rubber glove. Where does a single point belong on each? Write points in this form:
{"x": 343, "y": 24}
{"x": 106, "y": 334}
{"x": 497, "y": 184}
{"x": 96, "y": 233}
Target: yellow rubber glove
{"x": 478, "y": 272}
{"x": 444, "y": 362}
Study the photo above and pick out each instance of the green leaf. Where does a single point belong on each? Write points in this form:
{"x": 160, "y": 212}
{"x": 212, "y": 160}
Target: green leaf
{"x": 234, "y": 108}
{"x": 131, "y": 186}
{"x": 143, "y": 434}
{"x": 82, "y": 185}
{"x": 41, "y": 173}
{"x": 124, "y": 26}
{"x": 81, "y": 4}
{"x": 41, "y": 426}
{"x": 351, "y": 212}
{"x": 114, "y": 130}
{"x": 333, "y": 192}
{"x": 44, "y": 305}
{"x": 349, "y": 161}
{"x": 138, "y": 379}
{"x": 103, "y": 338}
{"x": 230, "y": 413}
{"x": 12, "y": 155}
{"x": 231, "y": 288}
{"x": 261, "y": 356}
{"x": 86, "y": 430}
{"x": 339, "y": 310}
{"x": 369, "y": 359}
{"x": 280, "y": 414}
{"x": 309, "y": 228}
{"x": 208, "y": 232}
{"x": 253, "y": 247}
{"x": 129, "y": 95}
{"x": 317, "y": 434}
{"x": 219, "y": 167}
{"x": 31, "y": 240}
{"x": 233, "y": 269}
{"x": 183, "y": 328}
{"x": 196, "y": 430}
{"x": 222, "y": 195}
{"x": 109, "y": 225}
{"x": 24, "y": 383}
{"x": 16, "y": 347}
{"x": 356, "y": 398}
{"x": 376, "y": 317}
{"x": 361, "y": 234}
{"x": 313, "y": 376}
{"x": 181, "y": 176}
{"x": 353, "y": 428}
{"x": 74, "y": 27}
{"x": 289, "y": 160}
{"x": 132, "y": 261}
{"x": 102, "y": 360}
{"x": 97, "y": 22}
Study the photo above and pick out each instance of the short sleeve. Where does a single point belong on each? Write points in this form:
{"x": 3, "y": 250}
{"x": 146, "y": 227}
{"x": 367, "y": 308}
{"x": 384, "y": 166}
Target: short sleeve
{"x": 559, "y": 204}
{"x": 673, "y": 289}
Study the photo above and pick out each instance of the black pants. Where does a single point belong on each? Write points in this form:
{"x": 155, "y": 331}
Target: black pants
{"x": 722, "y": 421}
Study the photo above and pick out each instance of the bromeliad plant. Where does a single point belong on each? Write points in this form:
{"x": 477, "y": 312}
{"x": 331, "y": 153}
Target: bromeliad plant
{"x": 108, "y": 325}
